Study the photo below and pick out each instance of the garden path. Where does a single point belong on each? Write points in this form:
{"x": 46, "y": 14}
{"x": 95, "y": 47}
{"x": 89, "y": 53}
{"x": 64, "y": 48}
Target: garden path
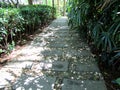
{"x": 57, "y": 59}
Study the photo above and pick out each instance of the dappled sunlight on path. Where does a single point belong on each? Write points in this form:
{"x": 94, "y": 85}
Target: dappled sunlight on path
{"x": 56, "y": 59}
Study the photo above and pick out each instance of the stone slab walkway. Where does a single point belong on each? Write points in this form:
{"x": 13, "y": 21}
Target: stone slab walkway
{"x": 57, "y": 59}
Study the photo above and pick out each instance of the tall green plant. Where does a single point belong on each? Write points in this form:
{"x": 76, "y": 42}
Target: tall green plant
{"x": 99, "y": 20}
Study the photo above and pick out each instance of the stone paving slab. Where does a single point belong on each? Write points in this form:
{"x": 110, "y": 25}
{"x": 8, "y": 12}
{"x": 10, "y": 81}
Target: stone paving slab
{"x": 57, "y": 42}
{"x": 27, "y": 82}
{"x": 52, "y": 52}
{"x": 74, "y": 52}
{"x": 64, "y": 35}
{"x": 56, "y": 35}
{"x": 60, "y": 32}
{"x": 83, "y": 85}
{"x": 87, "y": 67}
{"x": 54, "y": 39}
{"x": 57, "y": 45}
{"x": 82, "y": 59}
{"x": 25, "y": 58}
{"x": 81, "y": 44}
{"x": 59, "y": 29}
{"x": 54, "y": 58}
{"x": 96, "y": 76}
{"x": 60, "y": 35}
{"x": 36, "y": 43}
{"x": 85, "y": 75}
{"x": 62, "y": 39}
{"x": 55, "y": 65}
{"x": 19, "y": 65}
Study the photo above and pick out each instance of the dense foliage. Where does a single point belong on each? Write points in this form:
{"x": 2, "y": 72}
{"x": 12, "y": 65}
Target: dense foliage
{"x": 36, "y": 15}
{"x": 10, "y": 24}
{"x": 16, "y": 21}
{"x": 99, "y": 21}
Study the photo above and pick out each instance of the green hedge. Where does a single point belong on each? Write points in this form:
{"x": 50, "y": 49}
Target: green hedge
{"x": 16, "y": 21}
{"x": 35, "y": 15}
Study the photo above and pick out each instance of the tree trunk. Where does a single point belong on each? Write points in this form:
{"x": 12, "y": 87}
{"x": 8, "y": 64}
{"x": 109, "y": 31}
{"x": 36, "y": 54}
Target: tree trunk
{"x": 53, "y": 3}
{"x": 46, "y": 2}
{"x": 30, "y": 2}
{"x": 53, "y": 9}
{"x": 64, "y": 6}
{"x": 16, "y": 4}
{"x": 58, "y": 5}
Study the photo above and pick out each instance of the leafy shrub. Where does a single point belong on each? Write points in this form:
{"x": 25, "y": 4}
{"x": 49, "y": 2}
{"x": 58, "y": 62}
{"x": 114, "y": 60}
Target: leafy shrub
{"x": 16, "y": 21}
{"x": 35, "y": 15}
{"x": 99, "y": 21}
{"x": 10, "y": 24}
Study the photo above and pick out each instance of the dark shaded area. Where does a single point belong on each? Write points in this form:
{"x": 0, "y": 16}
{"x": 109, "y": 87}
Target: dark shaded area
{"x": 109, "y": 75}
